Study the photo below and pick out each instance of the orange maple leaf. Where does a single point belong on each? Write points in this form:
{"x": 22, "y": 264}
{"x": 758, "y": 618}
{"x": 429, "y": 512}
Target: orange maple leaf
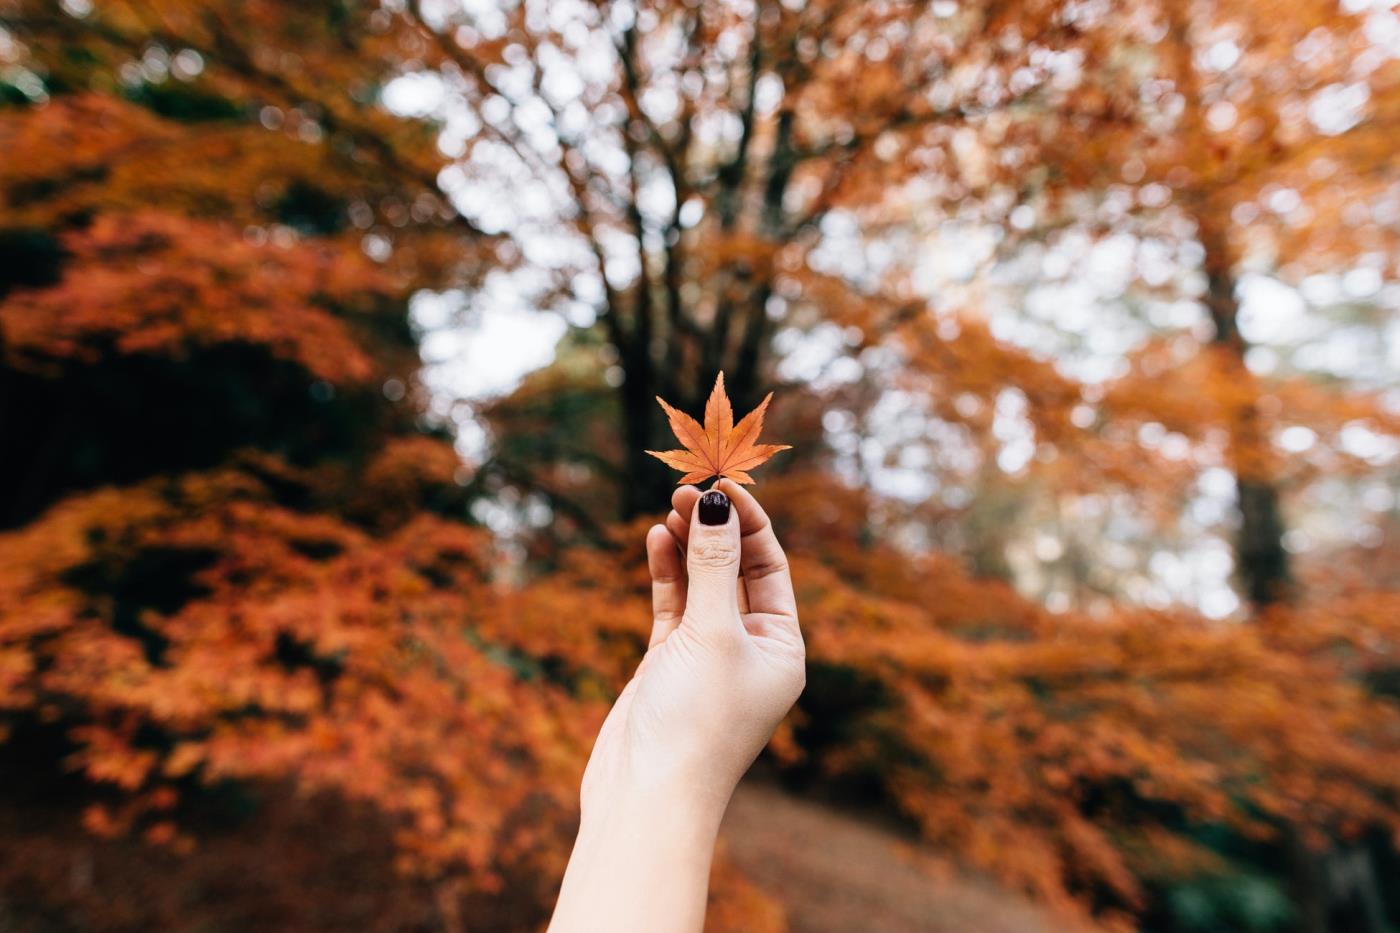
{"x": 721, "y": 447}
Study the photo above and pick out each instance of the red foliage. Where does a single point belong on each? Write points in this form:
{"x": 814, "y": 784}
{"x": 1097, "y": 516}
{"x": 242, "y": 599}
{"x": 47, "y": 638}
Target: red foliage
{"x": 303, "y": 650}
{"x": 163, "y": 285}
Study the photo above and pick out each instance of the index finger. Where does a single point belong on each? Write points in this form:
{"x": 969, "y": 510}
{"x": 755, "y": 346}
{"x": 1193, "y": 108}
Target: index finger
{"x": 761, "y": 561}
{"x": 678, "y": 521}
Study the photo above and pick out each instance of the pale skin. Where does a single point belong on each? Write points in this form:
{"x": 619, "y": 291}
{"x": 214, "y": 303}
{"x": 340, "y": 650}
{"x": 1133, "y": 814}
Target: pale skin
{"x": 724, "y": 664}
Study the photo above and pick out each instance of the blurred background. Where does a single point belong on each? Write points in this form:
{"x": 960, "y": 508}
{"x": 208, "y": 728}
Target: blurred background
{"x": 330, "y": 333}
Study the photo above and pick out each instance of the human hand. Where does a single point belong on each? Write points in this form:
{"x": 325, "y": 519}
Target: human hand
{"x": 724, "y": 665}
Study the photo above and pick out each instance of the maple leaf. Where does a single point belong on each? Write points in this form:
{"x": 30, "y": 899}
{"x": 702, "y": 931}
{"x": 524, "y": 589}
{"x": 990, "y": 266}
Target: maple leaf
{"x": 719, "y": 447}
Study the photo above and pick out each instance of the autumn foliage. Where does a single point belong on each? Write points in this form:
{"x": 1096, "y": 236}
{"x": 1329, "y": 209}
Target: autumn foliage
{"x": 719, "y": 447}
{"x": 293, "y": 620}
{"x": 266, "y": 658}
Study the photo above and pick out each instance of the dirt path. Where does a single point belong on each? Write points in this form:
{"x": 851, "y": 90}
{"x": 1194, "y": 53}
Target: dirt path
{"x": 836, "y": 872}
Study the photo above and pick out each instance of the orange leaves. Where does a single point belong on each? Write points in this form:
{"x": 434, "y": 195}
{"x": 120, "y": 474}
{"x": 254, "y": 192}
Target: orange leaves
{"x": 310, "y": 632}
{"x": 163, "y": 285}
{"x": 719, "y": 447}
{"x": 993, "y": 742}
{"x": 289, "y": 646}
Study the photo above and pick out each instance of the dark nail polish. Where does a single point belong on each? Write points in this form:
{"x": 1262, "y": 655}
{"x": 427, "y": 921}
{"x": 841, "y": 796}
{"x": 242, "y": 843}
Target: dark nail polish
{"x": 714, "y": 508}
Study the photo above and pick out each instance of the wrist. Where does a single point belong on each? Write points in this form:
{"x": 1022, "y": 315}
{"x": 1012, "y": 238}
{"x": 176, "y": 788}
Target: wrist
{"x": 688, "y": 804}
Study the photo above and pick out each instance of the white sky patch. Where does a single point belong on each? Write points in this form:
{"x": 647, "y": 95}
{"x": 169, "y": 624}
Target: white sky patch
{"x": 1270, "y": 311}
{"x": 1338, "y": 107}
{"x": 817, "y": 357}
{"x": 421, "y": 94}
{"x": 474, "y": 350}
{"x": 894, "y": 456}
{"x": 491, "y": 355}
{"x": 1011, "y": 426}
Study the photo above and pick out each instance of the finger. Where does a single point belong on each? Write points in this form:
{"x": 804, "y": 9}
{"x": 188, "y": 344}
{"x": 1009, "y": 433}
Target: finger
{"x": 712, "y": 565}
{"x": 680, "y": 530}
{"x": 682, "y": 504}
{"x": 667, "y": 584}
{"x": 683, "y": 499}
{"x": 767, "y": 577}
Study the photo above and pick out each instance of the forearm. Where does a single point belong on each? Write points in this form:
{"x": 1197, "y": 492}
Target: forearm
{"x": 641, "y": 863}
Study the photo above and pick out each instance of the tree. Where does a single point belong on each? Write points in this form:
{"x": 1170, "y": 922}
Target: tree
{"x": 1218, "y": 136}
{"x": 675, "y": 171}
{"x": 1235, "y": 138}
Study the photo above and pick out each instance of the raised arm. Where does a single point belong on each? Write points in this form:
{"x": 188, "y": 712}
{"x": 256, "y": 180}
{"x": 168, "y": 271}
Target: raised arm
{"x": 724, "y": 665}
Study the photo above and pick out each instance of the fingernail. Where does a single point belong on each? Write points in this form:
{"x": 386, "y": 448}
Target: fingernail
{"x": 714, "y": 508}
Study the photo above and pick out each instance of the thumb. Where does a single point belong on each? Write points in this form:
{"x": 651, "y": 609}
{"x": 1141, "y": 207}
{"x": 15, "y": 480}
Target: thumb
{"x": 712, "y": 564}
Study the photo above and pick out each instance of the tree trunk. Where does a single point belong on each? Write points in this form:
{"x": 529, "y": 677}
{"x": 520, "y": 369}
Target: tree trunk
{"x": 1336, "y": 889}
{"x": 646, "y": 483}
{"x": 1260, "y": 558}
{"x": 737, "y": 340}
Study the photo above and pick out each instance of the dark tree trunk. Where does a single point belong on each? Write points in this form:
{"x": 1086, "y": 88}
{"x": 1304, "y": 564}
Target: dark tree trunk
{"x": 1335, "y": 889}
{"x": 1261, "y": 561}
{"x": 647, "y": 483}
{"x": 735, "y": 340}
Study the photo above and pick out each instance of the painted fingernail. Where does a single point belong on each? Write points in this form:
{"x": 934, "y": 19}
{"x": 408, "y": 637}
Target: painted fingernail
{"x": 714, "y": 508}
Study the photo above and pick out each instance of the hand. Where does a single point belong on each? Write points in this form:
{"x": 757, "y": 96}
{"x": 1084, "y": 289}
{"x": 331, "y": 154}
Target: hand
{"x": 724, "y": 665}
{"x": 725, "y": 661}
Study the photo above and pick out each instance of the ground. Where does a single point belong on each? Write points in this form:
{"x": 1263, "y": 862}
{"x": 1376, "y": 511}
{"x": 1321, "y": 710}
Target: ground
{"x": 839, "y": 871}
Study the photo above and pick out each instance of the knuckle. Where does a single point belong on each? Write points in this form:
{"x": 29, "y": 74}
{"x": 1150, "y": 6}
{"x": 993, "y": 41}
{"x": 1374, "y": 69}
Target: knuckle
{"x": 713, "y": 555}
{"x": 766, "y": 567}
